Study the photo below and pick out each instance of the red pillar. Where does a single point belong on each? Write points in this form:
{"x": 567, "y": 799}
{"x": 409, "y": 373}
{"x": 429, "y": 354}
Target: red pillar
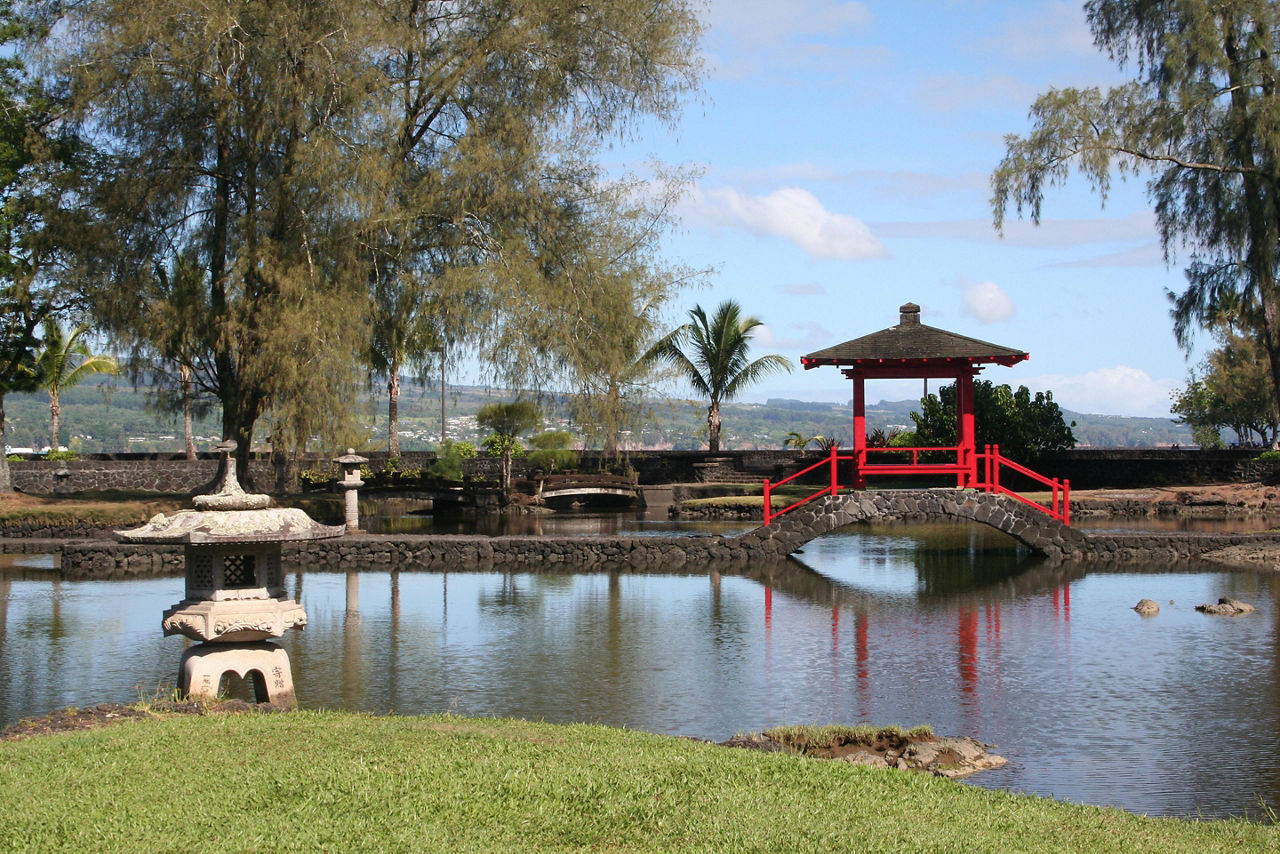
{"x": 966, "y": 434}
{"x": 859, "y": 432}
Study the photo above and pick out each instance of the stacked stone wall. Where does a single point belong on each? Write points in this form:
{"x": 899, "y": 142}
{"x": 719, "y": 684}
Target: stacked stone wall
{"x": 1086, "y": 468}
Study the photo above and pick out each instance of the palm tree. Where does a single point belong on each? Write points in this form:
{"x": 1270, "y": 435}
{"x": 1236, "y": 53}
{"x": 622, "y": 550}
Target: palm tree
{"x": 712, "y": 356}
{"x": 64, "y": 361}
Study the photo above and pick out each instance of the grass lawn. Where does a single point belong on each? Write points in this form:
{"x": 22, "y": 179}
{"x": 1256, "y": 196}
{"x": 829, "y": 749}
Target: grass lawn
{"x": 339, "y": 781}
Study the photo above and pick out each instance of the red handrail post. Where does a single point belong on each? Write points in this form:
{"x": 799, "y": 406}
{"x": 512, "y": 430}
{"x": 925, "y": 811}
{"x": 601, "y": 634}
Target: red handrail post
{"x": 767, "y": 506}
{"x": 995, "y": 468}
{"x": 835, "y": 476}
{"x": 1066, "y": 502}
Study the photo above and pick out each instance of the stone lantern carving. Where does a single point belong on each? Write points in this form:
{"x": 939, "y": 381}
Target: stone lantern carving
{"x": 351, "y": 462}
{"x": 235, "y": 599}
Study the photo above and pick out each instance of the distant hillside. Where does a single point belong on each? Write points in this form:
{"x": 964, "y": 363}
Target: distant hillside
{"x": 106, "y": 414}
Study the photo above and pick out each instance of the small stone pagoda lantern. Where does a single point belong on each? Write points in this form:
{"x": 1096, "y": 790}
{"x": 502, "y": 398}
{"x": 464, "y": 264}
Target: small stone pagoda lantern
{"x": 351, "y": 462}
{"x": 235, "y": 599}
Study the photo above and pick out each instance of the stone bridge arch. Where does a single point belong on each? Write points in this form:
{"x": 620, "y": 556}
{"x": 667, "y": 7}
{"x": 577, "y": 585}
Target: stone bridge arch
{"x": 1036, "y": 530}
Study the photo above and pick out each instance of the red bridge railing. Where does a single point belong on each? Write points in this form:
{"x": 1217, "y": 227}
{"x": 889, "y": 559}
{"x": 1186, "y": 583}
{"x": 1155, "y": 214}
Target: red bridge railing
{"x": 978, "y": 471}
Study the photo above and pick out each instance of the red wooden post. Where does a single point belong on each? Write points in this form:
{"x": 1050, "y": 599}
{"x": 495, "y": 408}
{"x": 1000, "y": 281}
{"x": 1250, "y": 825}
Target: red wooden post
{"x": 859, "y": 432}
{"x": 995, "y": 468}
{"x": 767, "y": 505}
{"x": 965, "y": 431}
{"x": 835, "y": 477}
{"x": 1066, "y": 502}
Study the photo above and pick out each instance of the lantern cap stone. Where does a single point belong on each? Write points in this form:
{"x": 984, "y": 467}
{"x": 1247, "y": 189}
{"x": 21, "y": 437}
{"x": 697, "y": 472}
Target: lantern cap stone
{"x": 212, "y": 527}
{"x": 350, "y": 458}
{"x": 230, "y": 515}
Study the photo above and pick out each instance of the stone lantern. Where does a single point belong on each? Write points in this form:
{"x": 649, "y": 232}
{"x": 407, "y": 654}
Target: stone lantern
{"x": 351, "y": 462}
{"x": 235, "y": 600}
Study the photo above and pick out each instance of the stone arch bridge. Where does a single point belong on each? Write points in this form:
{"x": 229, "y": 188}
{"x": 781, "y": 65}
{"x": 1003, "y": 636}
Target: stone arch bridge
{"x": 1029, "y": 526}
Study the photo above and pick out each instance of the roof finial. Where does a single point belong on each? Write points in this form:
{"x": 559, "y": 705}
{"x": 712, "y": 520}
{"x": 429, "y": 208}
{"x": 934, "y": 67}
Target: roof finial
{"x": 910, "y": 315}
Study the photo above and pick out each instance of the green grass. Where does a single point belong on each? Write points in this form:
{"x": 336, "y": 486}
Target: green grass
{"x": 339, "y": 781}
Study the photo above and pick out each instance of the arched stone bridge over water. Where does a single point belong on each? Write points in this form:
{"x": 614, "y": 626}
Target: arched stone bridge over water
{"x": 1031, "y": 527}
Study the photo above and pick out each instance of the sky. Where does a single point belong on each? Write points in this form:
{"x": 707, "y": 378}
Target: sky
{"x": 845, "y": 151}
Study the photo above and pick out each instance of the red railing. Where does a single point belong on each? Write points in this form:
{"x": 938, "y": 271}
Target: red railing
{"x": 991, "y": 463}
{"x": 1060, "y": 490}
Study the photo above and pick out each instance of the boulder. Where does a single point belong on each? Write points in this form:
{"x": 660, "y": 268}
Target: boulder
{"x": 1147, "y": 607}
{"x": 1226, "y": 608}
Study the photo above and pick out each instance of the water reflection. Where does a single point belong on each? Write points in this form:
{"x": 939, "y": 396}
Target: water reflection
{"x": 941, "y": 624}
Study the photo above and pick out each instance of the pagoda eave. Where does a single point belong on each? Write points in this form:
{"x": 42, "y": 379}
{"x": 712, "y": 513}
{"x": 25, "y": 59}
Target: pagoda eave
{"x": 939, "y": 367}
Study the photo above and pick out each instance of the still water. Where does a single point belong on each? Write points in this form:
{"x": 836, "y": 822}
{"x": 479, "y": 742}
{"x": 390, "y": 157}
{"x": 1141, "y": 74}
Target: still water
{"x": 949, "y": 625}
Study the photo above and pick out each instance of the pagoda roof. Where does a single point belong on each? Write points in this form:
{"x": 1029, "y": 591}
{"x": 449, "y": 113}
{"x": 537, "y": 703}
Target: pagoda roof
{"x": 913, "y": 346}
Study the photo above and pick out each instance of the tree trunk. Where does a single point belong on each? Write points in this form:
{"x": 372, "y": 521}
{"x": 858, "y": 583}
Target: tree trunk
{"x": 393, "y": 411}
{"x": 55, "y": 414}
{"x": 188, "y": 441}
{"x": 713, "y": 427}
{"x": 6, "y": 481}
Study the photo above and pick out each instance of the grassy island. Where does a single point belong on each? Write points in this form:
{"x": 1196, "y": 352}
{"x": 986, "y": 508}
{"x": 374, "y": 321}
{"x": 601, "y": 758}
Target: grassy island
{"x": 340, "y": 781}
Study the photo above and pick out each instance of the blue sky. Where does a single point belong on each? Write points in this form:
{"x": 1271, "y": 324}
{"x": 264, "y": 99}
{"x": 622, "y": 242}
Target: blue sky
{"x": 846, "y": 150}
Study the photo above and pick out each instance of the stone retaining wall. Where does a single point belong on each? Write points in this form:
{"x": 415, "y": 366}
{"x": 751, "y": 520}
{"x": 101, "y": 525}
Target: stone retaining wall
{"x": 1086, "y": 468}
{"x": 108, "y": 559}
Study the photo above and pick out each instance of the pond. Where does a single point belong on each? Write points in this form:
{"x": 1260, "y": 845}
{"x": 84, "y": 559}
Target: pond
{"x": 949, "y": 625}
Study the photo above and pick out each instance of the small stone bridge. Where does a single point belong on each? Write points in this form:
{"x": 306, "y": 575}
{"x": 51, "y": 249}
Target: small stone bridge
{"x": 1030, "y": 526}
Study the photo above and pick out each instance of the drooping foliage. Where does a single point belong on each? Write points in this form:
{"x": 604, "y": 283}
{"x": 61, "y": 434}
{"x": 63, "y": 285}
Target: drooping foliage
{"x": 1022, "y": 424}
{"x": 1202, "y": 120}
{"x": 713, "y": 356}
{"x": 507, "y": 423}
{"x": 42, "y": 225}
{"x": 360, "y": 182}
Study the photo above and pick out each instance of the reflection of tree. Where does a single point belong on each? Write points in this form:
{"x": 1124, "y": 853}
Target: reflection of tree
{"x": 508, "y": 599}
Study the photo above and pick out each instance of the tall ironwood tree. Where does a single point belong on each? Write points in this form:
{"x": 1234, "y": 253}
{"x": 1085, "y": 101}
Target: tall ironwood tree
{"x": 480, "y": 163}
{"x": 42, "y": 224}
{"x": 1203, "y": 120}
{"x": 328, "y": 159}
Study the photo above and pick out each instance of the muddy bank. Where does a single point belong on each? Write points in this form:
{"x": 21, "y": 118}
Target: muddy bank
{"x": 886, "y": 748}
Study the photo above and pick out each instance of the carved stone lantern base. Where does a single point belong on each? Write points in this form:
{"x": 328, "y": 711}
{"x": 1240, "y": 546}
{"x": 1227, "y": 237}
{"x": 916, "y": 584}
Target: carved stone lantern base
{"x": 234, "y": 620}
{"x": 265, "y": 664}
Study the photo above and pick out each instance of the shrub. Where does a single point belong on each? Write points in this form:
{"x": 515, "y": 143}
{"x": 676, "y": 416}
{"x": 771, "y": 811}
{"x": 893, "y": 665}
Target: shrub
{"x": 448, "y": 464}
{"x": 552, "y": 452}
{"x": 61, "y": 456}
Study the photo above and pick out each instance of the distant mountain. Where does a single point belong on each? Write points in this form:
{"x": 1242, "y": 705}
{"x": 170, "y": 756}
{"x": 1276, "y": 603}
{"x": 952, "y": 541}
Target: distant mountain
{"x": 106, "y": 414}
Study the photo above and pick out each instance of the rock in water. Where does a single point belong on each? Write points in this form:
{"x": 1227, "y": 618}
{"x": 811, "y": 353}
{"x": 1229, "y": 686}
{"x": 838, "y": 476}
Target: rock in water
{"x": 1147, "y": 607}
{"x": 1227, "y": 608}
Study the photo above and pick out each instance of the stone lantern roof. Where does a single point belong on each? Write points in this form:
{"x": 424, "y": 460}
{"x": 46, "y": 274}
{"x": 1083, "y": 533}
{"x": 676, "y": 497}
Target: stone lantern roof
{"x": 230, "y": 516}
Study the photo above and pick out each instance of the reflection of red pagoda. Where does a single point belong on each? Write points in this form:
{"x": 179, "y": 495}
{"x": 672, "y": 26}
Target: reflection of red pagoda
{"x": 235, "y": 599}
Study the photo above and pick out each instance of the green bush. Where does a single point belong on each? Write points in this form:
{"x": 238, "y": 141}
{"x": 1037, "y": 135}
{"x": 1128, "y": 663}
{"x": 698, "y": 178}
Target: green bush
{"x": 61, "y": 456}
{"x": 448, "y": 464}
{"x": 1271, "y": 456}
{"x": 552, "y": 452}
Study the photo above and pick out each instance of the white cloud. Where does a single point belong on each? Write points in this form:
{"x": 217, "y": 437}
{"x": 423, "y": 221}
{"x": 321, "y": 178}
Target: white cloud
{"x": 1121, "y": 390}
{"x": 987, "y": 302}
{"x": 761, "y": 23}
{"x": 1139, "y": 226}
{"x": 792, "y": 214}
{"x": 805, "y": 337}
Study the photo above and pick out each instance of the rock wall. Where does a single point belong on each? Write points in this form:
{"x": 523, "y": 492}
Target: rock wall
{"x": 693, "y": 555}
